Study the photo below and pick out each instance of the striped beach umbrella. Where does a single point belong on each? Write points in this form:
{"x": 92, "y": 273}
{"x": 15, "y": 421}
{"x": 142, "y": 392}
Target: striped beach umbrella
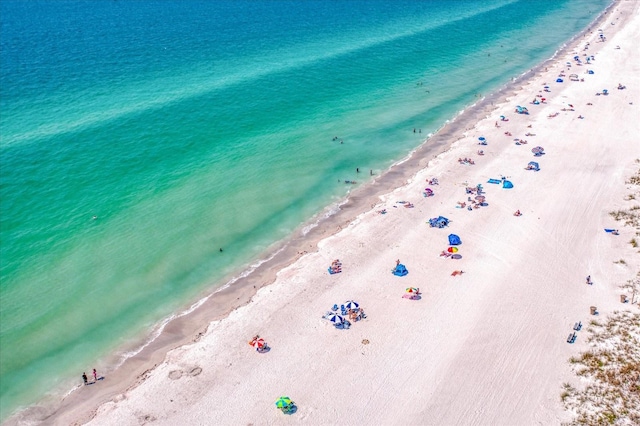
{"x": 412, "y": 290}
{"x": 452, "y": 249}
{"x": 283, "y": 402}
{"x": 351, "y": 305}
{"x": 336, "y": 319}
{"x": 258, "y": 343}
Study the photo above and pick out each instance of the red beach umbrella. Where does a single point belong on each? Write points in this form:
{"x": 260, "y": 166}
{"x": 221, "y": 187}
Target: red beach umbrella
{"x": 258, "y": 343}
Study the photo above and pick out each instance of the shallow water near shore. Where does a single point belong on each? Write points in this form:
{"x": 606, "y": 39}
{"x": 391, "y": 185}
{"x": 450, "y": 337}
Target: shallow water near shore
{"x": 189, "y": 127}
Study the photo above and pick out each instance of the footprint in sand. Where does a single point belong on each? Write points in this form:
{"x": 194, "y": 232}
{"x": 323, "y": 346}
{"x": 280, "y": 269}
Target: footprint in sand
{"x": 175, "y": 374}
{"x": 195, "y": 371}
{"x": 143, "y": 420}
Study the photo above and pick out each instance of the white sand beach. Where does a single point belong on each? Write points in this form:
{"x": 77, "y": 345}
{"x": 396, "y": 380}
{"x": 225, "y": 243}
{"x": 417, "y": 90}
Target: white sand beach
{"x": 487, "y": 347}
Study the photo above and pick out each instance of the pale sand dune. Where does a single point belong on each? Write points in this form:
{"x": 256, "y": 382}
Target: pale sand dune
{"x": 484, "y": 348}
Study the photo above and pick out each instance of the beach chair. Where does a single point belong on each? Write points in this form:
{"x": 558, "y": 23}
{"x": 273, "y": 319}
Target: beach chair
{"x": 572, "y": 337}
{"x": 334, "y": 308}
{"x": 343, "y": 310}
{"x": 577, "y": 326}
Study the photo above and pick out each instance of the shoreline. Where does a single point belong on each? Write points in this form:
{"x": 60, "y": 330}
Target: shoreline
{"x": 191, "y": 327}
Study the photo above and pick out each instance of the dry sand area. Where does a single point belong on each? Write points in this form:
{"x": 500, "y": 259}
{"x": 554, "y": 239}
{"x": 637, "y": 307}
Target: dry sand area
{"x": 487, "y": 347}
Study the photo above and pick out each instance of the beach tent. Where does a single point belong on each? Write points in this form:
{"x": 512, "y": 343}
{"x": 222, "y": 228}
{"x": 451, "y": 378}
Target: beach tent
{"x": 559, "y": 80}
{"x": 590, "y": 72}
{"x": 533, "y": 166}
{"x": 507, "y": 184}
{"x": 439, "y": 222}
{"x": 400, "y": 270}
{"x": 454, "y": 240}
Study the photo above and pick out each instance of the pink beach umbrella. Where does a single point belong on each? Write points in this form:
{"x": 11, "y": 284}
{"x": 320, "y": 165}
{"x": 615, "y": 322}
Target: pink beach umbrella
{"x": 259, "y": 343}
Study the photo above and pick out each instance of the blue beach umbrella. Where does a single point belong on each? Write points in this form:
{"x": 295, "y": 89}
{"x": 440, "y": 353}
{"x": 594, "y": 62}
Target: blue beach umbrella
{"x": 336, "y": 319}
{"x": 481, "y": 138}
{"x": 351, "y": 305}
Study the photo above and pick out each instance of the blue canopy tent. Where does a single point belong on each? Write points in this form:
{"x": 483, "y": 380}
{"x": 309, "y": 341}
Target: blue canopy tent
{"x": 454, "y": 240}
{"x": 507, "y": 184}
{"x": 438, "y": 222}
{"x": 400, "y": 270}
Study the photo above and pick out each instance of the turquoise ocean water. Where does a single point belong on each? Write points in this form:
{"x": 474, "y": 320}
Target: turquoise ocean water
{"x": 186, "y": 126}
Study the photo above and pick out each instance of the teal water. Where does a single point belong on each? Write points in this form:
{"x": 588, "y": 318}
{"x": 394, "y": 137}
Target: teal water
{"x": 186, "y": 126}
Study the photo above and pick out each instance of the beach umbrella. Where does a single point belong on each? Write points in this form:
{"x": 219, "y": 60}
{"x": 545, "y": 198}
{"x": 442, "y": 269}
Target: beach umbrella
{"x": 336, "y": 319}
{"x": 412, "y": 290}
{"x": 481, "y": 138}
{"x": 283, "y": 401}
{"x": 502, "y": 117}
{"x": 258, "y": 343}
{"x": 537, "y": 150}
{"x": 351, "y": 305}
{"x": 452, "y": 249}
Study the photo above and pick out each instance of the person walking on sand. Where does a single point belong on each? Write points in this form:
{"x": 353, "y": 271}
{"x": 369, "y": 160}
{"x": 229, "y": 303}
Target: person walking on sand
{"x": 84, "y": 378}
{"x": 95, "y": 375}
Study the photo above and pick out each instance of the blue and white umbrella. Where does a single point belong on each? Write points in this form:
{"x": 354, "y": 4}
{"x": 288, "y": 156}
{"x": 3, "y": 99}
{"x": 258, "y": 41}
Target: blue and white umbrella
{"x": 351, "y": 305}
{"x": 537, "y": 150}
{"x": 336, "y": 319}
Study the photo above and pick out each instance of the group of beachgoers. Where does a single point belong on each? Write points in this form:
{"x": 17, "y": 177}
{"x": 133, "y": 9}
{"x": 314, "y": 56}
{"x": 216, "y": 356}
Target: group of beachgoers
{"x": 466, "y": 161}
{"x": 336, "y": 267}
{"x": 86, "y": 381}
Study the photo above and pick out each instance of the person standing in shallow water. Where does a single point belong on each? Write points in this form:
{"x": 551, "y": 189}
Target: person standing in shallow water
{"x": 84, "y": 378}
{"x": 95, "y": 375}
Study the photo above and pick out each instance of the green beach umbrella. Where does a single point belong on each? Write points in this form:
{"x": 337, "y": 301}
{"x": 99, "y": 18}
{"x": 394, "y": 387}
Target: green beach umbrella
{"x": 283, "y": 401}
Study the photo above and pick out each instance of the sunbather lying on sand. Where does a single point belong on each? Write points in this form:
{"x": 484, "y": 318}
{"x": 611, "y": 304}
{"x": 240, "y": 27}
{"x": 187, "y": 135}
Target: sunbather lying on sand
{"x": 508, "y": 133}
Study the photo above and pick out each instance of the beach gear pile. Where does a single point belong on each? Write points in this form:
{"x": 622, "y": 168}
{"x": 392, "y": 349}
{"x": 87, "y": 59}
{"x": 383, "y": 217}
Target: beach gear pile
{"x": 533, "y": 166}
{"x": 350, "y": 309}
{"x": 286, "y": 405}
{"x": 259, "y": 344}
{"x": 438, "y": 222}
{"x": 412, "y": 293}
{"x": 452, "y": 251}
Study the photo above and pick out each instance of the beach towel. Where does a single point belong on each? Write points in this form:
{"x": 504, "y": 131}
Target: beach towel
{"x": 496, "y": 181}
